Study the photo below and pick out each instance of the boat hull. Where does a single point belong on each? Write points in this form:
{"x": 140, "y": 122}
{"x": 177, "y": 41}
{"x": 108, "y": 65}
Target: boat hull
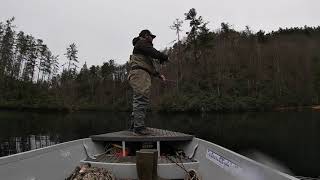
{"x": 51, "y": 163}
{"x": 58, "y": 161}
{"x": 216, "y": 162}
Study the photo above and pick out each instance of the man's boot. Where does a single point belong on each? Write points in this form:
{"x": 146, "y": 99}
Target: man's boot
{"x": 141, "y": 131}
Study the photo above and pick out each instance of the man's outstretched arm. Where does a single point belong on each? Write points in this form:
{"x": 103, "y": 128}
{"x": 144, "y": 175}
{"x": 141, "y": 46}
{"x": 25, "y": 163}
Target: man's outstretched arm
{"x": 148, "y": 50}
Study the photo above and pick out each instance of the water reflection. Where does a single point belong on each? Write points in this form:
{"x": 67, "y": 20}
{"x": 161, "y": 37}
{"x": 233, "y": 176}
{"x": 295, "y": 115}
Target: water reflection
{"x": 291, "y": 138}
{"x": 20, "y": 144}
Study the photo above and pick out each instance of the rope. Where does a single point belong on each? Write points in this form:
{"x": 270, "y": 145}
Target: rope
{"x": 191, "y": 174}
{"x": 182, "y": 167}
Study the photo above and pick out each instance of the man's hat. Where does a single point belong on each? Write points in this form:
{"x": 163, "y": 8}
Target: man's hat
{"x": 146, "y": 32}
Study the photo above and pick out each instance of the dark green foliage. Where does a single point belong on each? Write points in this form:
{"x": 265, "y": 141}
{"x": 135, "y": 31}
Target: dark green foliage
{"x": 244, "y": 70}
{"x": 31, "y": 59}
{"x": 6, "y": 49}
{"x": 222, "y": 70}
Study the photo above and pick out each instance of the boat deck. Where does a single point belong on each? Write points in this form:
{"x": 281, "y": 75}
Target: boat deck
{"x": 155, "y": 135}
{"x": 106, "y": 158}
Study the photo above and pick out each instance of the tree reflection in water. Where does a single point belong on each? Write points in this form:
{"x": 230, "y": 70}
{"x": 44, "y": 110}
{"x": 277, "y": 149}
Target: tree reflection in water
{"x": 291, "y": 138}
{"x": 20, "y": 144}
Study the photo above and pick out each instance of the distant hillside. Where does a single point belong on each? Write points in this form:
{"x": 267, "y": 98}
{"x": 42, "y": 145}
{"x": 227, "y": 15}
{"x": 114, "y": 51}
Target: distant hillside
{"x": 222, "y": 70}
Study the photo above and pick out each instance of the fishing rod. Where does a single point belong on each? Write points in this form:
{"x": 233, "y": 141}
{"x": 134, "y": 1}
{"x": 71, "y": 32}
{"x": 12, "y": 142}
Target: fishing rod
{"x": 169, "y": 80}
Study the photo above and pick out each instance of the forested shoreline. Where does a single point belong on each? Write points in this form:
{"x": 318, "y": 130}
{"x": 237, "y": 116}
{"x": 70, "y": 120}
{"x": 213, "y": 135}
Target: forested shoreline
{"x": 209, "y": 70}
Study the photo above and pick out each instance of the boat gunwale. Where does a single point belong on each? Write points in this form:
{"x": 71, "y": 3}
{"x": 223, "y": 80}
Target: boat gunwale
{"x": 40, "y": 151}
{"x": 133, "y": 164}
{"x": 244, "y": 158}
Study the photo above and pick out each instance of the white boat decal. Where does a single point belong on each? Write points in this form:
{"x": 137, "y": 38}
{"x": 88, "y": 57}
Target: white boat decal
{"x": 65, "y": 154}
{"x": 223, "y": 162}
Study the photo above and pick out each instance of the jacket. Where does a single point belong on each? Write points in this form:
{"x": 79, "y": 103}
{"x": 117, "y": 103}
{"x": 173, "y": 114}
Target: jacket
{"x": 143, "y": 55}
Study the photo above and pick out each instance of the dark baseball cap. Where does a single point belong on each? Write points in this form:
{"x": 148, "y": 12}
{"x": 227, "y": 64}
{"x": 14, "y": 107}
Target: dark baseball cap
{"x": 146, "y": 32}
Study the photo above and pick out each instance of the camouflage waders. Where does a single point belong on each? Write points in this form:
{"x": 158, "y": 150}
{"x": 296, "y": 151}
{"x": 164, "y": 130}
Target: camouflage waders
{"x": 140, "y": 81}
{"x": 142, "y": 68}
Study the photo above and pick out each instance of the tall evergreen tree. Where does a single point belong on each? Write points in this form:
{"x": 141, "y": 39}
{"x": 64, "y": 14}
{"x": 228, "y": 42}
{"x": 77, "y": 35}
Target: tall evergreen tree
{"x": 42, "y": 53}
{"x": 176, "y": 26}
{"x": 198, "y": 26}
{"x": 21, "y": 53}
{"x": 72, "y": 57}
{"x": 7, "y": 49}
{"x": 1, "y": 31}
{"x": 1, "y": 35}
{"x": 48, "y": 61}
{"x": 30, "y": 64}
{"x": 107, "y": 70}
{"x": 54, "y": 67}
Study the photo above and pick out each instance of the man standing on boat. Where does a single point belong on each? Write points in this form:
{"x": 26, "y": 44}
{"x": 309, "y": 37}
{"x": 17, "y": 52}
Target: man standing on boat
{"x": 141, "y": 70}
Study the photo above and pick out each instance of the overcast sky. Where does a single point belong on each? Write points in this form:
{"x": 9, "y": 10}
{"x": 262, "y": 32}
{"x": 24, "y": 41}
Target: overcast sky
{"x": 103, "y": 29}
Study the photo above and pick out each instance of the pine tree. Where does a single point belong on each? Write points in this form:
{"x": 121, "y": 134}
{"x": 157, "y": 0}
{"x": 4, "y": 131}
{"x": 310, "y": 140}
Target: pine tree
{"x": 7, "y": 49}
{"x": 1, "y": 31}
{"x": 21, "y": 53}
{"x": 1, "y": 35}
{"x": 30, "y": 64}
{"x": 54, "y": 66}
{"x": 48, "y": 60}
{"x": 198, "y": 27}
{"x": 42, "y": 50}
{"x": 176, "y": 26}
{"x": 107, "y": 70}
{"x": 72, "y": 58}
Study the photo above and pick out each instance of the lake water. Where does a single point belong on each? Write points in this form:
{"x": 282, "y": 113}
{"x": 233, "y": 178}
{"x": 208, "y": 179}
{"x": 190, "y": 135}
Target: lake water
{"x": 288, "y": 138}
